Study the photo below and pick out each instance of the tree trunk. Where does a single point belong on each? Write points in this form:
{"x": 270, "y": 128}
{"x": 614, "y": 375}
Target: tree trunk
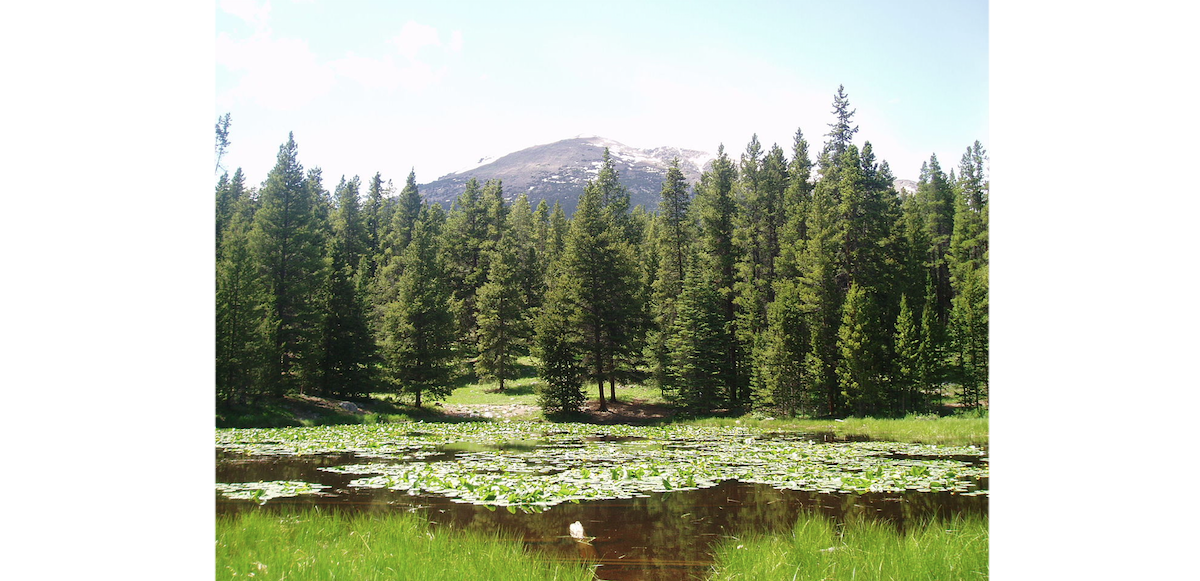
{"x": 600, "y": 384}
{"x": 612, "y": 389}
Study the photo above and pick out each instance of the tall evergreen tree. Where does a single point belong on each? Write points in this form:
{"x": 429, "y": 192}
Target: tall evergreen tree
{"x": 718, "y": 215}
{"x": 464, "y": 244}
{"x": 602, "y": 281}
{"x": 821, "y": 291}
{"x": 287, "y": 245}
{"x": 783, "y": 385}
{"x": 841, "y": 133}
{"x": 407, "y": 211}
{"x": 418, "y": 329}
{"x": 697, "y": 352}
{"x": 559, "y": 349}
{"x": 349, "y": 357}
{"x": 796, "y": 200}
{"x": 230, "y": 192}
{"x": 243, "y": 327}
{"x": 863, "y": 352}
{"x": 669, "y": 249}
{"x": 969, "y": 272}
{"x": 501, "y": 322}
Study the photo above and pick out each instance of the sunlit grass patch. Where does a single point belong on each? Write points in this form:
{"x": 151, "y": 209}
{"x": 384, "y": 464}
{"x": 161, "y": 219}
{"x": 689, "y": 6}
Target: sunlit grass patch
{"x": 959, "y": 430}
{"x": 314, "y": 545}
{"x": 819, "y": 548}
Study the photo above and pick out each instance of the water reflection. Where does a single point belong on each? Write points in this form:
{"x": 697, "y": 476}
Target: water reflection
{"x": 665, "y": 536}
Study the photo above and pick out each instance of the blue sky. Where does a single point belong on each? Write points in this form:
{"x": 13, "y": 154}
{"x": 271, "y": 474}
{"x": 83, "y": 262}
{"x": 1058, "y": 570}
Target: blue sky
{"x": 389, "y": 86}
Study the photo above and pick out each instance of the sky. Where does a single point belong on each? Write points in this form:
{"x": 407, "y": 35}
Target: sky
{"x": 434, "y": 86}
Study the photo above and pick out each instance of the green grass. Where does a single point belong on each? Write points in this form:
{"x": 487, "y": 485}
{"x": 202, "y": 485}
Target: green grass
{"x": 313, "y": 545}
{"x": 818, "y": 548}
{"x": 959, "y": 430}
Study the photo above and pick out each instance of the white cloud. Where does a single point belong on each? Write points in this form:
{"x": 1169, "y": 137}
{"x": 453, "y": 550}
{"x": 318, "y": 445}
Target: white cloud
{"x": 368, "y": 72}
{"x": 412, "y": 37}
{"x": 456, "y": 41}
{"x": 248, "y": 10}
{"x": 284, "y": 74}
{"x": 276, "y": 73}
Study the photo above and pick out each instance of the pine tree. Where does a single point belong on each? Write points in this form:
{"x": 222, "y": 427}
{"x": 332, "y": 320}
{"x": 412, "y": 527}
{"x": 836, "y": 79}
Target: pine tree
{"x": 969, "y": 321}
{"x": 501, "y": 322}
{"x": 417, "y": 327}
{"x": 243, "y": 349}
{"x": 783, "y": 378}
{"x": 697, "y": 352}
{"x": 287, "y": 246}
{"x": 530, "y": 267}
{"x": 863, "y": 351}
{"x": 908, "y": 358}
{"x": 407, "y": 212}
{"x": 969, "y": 277}
{"x": 558, "y": 347}
{"x": 349, "y": 357}
{"x": 820, "y": 290}
{"x": 761, "y": 192}
{"x": 841, "y": 134}
{"x": 715, "y": 242}
{"x": 602, "y": 281}
{"x": 464, "y": 245}
{"x": 669, "y": 249}
{"x": 230, "y": 192}
{"x": 556, "y": 242}
{"x": 796, "y": 200}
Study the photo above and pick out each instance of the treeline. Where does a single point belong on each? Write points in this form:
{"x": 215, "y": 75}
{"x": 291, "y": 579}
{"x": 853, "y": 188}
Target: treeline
{"x": 774, "y": 283}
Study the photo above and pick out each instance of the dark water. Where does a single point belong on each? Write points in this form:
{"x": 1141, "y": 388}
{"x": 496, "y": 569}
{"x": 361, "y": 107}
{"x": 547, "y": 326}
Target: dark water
{"x": 667, "y": 536}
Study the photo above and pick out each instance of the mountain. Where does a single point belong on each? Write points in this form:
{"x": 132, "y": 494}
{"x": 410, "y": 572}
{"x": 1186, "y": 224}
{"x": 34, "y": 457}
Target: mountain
{"x": 556, "y": 172}
{"x": 905, "y": 186}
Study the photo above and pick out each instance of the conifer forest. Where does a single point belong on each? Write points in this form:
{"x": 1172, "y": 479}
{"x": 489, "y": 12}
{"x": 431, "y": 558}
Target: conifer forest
{"x": 797, "y": 282}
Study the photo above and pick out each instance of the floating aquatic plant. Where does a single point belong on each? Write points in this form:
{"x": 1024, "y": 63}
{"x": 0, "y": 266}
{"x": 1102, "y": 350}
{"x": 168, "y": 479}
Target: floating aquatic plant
{"x": 583, "y": 462}
{"x": 261, "y": 492}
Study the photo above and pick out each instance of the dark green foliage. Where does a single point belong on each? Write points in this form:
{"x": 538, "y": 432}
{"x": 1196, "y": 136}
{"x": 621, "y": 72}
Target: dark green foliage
{"x": 715, "y": 244}
{"x": 349, "y": 356}
{"x": 602, "y": 281}
{"x": 796, "y": 201}
{"x": 286, "y": 242}
{"x": 501, "y": 320}
{"x": 464, "y": 245}
{"x": 697, "y": 351}
{"x": 841, "y": 134}
{"x": 969, "y": 324}
{"x": 782, "y": 382}
{"x": 863, "y": 350}
{"x": 558, "y": 347}
{"x": 909, "y": 373}
{"x": 242, "y": 328}
{"x": 820, "y": 290}
{"x": 969, "y": 269}
{"x": 417, "y": 328}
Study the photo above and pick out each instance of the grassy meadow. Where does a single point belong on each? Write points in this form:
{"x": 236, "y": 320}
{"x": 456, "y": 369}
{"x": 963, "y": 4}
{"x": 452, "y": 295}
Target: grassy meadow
{"x": 324, "y": 546}
{"x": 861, "y": 550}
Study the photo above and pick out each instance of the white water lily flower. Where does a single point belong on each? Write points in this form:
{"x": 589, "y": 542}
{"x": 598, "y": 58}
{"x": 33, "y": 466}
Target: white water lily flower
{"x": 577, "y": 531}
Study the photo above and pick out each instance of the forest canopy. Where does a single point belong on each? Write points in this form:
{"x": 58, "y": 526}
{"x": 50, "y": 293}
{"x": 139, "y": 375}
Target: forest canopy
{"x": 798, "y": 282}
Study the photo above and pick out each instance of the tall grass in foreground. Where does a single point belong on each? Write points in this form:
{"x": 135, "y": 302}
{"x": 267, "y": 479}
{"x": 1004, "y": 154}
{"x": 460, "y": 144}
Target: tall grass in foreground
{"x": 818, "y": 548}
{"x": 326, "y": 546}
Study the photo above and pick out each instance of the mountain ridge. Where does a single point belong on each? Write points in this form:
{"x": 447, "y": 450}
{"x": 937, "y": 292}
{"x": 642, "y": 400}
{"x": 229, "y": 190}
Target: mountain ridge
{"x": 557, "y": 172}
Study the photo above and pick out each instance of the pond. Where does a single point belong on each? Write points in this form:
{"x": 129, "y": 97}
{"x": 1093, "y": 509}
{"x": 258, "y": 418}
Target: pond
{"x": 655, "y": 499}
